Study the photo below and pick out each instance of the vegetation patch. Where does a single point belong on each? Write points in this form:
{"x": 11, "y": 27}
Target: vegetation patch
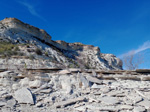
{"x": 8, "y": 49}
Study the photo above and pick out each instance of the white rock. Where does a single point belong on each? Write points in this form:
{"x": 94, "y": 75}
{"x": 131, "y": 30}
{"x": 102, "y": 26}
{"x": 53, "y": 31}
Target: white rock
{"x": 81, "y": 108}
{"x": 4, "y": 74}
{"x": 69, "y": 101}
{"x": 139, "y": 109}
{"x": 44, "y": 86}
{"x": 127, "y": 107}
{"x": 66, "y": 83}
{"x": 11, "y": 103}
{"x": 84, "y": 82}
{"x": 93, "y": 79}
{"x": 24, "y": 82}
{"x": 5, "y": 82}
{"x": 15, "y": 86}
{"x": 24, "y": 95}
{"x": 35, "y": 84}
{"x": 64, "y": 72}
{"x": 39, "y": 104}
{"x": 109, "y": 100}
{"x": 135, "y": 97}
{"x": 95, "y": 86}
{"x": 3, "y": 93}
{"x": 46, "y": 91}
{"x": 102, "y": 108}
{"x": 145, "y": 103}
{"x": 2, "y": 104}
{"x": 75, "y": 70}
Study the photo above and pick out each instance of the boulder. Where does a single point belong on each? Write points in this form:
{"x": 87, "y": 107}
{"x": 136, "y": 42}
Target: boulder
{"x": 66, "y": 84}
{"x": 83, "y": 82}
{"x": 24, "y": 95}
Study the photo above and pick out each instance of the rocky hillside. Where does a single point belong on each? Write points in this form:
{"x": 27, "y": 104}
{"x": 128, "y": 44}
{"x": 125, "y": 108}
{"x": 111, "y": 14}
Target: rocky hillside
{"x": 31, "y": 47}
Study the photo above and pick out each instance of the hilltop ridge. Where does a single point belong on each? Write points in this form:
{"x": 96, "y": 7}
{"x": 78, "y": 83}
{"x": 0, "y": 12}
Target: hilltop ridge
{"x": 54, "y": 53}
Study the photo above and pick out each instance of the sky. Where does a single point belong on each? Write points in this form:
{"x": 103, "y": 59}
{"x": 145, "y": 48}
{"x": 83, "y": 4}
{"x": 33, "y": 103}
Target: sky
{"x": 116, "y": 26}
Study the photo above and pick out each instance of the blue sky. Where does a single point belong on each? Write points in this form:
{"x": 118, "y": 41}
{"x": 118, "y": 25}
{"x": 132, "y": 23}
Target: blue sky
{"x": 116, "y": 26}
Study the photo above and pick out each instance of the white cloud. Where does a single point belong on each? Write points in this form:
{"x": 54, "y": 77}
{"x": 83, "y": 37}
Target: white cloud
{"x": 31, "y": 9}
{"x": 146, "y": 45}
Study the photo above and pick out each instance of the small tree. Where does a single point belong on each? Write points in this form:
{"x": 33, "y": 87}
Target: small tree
{"x": 132, "y": 60}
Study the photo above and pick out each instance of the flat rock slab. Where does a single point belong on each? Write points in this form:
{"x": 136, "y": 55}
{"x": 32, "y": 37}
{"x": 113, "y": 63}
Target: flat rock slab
{"x": 102, "y": 108}
{"x": 126, "y": 107}
{"x": 94, "y": 80}
{"x": 81, "y": 108}
{"x": 145, "y": 103}
{"x": 95, "y": 86}
{"x": 11, "y": 103}
{"x": 46, "y": 91}
{"x": 24, "y": 95}
{"x": 135, "y": 98}
{"x": 74, "y": 70}
{"x": 40, "y": 88}
{"x": 69, "y": 102}
{"x": 139, "y": 109}
{"x": 109, "y": 100}
{"x": 64, "y": 72}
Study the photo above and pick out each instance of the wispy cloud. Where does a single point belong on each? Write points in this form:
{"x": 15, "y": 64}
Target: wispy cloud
{"x": 31, "y": 8}
{"x": 146, "y": 45}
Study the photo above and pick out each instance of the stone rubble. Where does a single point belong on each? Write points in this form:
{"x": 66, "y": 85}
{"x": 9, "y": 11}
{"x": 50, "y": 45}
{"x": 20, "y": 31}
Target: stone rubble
{"x": 75, "y": 91}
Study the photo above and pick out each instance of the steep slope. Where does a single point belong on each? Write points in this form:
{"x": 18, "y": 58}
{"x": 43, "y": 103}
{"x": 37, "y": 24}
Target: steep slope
{"x": 37, "y": 43}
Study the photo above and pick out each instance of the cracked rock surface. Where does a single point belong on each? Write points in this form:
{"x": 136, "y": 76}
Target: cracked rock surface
{"x": 73, "y": 91}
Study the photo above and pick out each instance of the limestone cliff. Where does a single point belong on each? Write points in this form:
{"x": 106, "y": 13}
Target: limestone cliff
{"x": 55, "y": 53}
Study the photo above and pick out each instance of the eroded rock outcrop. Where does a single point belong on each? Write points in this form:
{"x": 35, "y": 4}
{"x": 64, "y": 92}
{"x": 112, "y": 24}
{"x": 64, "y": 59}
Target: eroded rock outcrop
{"x": 58, "y": 53}
{"x": 18, "y": 30}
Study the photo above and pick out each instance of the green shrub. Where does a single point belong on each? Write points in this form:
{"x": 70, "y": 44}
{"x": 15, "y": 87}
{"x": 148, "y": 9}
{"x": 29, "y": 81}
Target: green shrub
{"x": 16, "y": 48}
{"x": 8, "y": 49}
{"x": 46, "y": 53}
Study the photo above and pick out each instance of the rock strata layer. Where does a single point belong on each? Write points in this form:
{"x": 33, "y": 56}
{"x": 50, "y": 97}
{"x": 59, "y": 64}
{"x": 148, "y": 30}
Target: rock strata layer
{"x": 37, "y": 44}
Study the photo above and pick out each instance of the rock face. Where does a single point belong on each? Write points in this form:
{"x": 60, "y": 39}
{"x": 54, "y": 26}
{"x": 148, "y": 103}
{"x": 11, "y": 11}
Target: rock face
{"x": 13, "y": 27}
{"x": 57, "y": 53}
